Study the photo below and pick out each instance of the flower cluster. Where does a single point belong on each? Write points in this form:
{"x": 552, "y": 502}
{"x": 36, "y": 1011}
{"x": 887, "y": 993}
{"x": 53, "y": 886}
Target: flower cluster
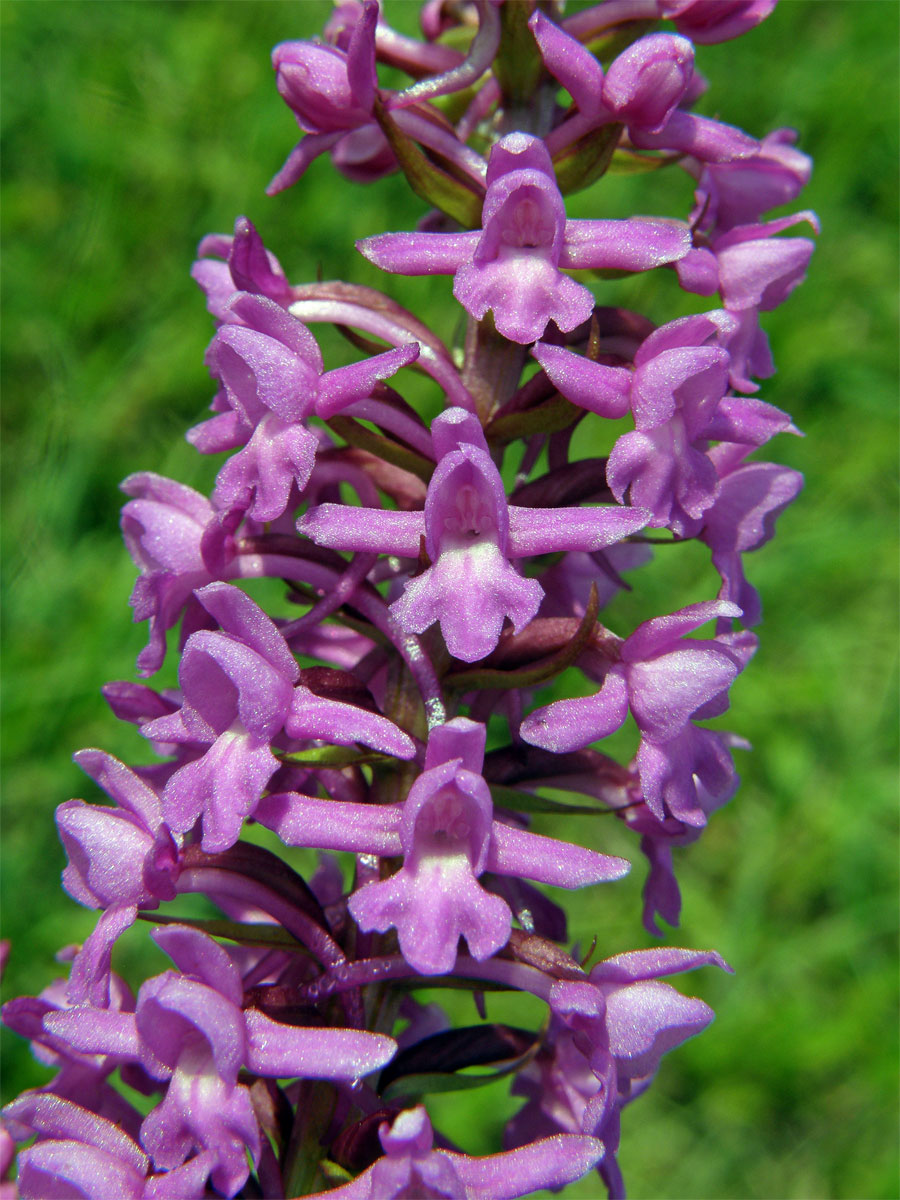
{"x": 438, "y": 576}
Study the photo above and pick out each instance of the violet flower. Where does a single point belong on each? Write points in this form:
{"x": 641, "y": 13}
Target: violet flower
{"x": 749, "y": 266}
{"x": 239, "y": 692}
{"x": 167, "y": 527}
{"x": 411, "y": 1166}
{"x": 271, "y": 371}
{"x": 78, "y": 1153}
{"x": 677, "y": 395}
{"x": 190, "y": 1030}
{"x": 750, "y": 497}
{"x": 739, "y": 192}
{"x": 331, "y": 93}
{"x": 448, "y": 836}
{"x": 513, "y": 265}
{"x": 606, "y": 1039}
{"x": 642, "y": 89}
{"x": 663, "y": 680}
{"x": 470, "y": 533}
{"x": 120, "y": 856}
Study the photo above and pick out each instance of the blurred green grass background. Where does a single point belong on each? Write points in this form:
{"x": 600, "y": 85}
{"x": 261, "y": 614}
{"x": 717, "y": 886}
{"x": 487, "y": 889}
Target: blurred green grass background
{"x": 131, "y": 129}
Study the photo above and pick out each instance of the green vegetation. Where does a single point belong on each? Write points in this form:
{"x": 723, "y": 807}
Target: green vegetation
{"x": 133, "y": 128}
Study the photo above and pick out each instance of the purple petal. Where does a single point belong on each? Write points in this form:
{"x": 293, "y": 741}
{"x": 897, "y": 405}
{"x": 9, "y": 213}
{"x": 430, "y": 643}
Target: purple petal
{"x": 187, "y": 1182}
{"x": 665, "y": 691}
{"x": 466, "y": 502}
{"x": 223, "y": 786}
{"x": 197, "y": 955}
{"x": 637, "y": 244}
{"x": 225, "y": 431}
{"x": 749, "y": 501}
{"x": 306, "y": 151}
{"x": 698, "y": 272}
{"x": 252, "y": 267}
{"x": 470, "y": 592}
{"x": 51, "y": 1169}
{"x": 525, "y": 290}
{"x": 639, "y": 965}
{"x": 419, "y": 253}
{"x": 122, "y": 785}
{"x": 204, "y": 1112}
{"x": 762, "y": 273}
{"x": 701, "y": 137}
{"x": 382, "y": 531}
{"x": 648, "y": 80}
{"x": 225, "y": 683}
{"x": 161, "y": 537}
{"x": 519, "y": 152}
{"x": 691, "y": 378}
{"x": 216, "y": 282}
{"x": 333, "y": 721}
{"x": 345, "y": 385}
{"x": 645, "y": 1020}
{"x": 569, "y": 63}
{"x": 661, "y": 893}
{"x": 96, "y": 1031}
{"x": 687, "y": 777}
{"x": 547, "y": 530}
{"x": 708, "y": 21}
{"x": 573, "y": 724}
{"x": 670, "y": 480}
{"x": 239, "y": 615}
{"x": 550, "y": 860}
{"x": 145, "y": 485}
{"x": 455, "y": 428}
{"x": 361, "y": 74}
{"x": 746, "y": 420}
{"x": 331, "y": 825}
{"x": 51, "y": 1116}
{"x": 459, "y": 739}
{"x": 172, "y": 1010}
{"x": 701, "y": 329}
{"x": 106, "y": 852}
{"x": 316, "y": 1053}
{"x": 598, "y": 388}
{"x": 431, "y": 909}
{"x": 259, "y": 479}
{"x": 549, "y": 1163}
{"x": 89, "y": 978}
{"x": 659, "y": 634}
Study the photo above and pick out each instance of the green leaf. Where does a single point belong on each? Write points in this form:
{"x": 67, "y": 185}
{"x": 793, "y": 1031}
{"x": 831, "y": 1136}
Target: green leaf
{"x": 411, "y": 1086}
{"x": 334, "y": 1173}
{"x": 233, "y": 931}
{"x": 454, "y": 1050}
{"x": 508, "y": 797}
{"x": 518, "y": 65}
{"x": 355, "y": 434}
{"x": 550, "y": 417}
{"x": 331, "y": 756}
{"x": 638, "y": 162}
{"x": 583, "y": 163}
{"x": 502, "y": 1047}
{"x": 431, "y": 182}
